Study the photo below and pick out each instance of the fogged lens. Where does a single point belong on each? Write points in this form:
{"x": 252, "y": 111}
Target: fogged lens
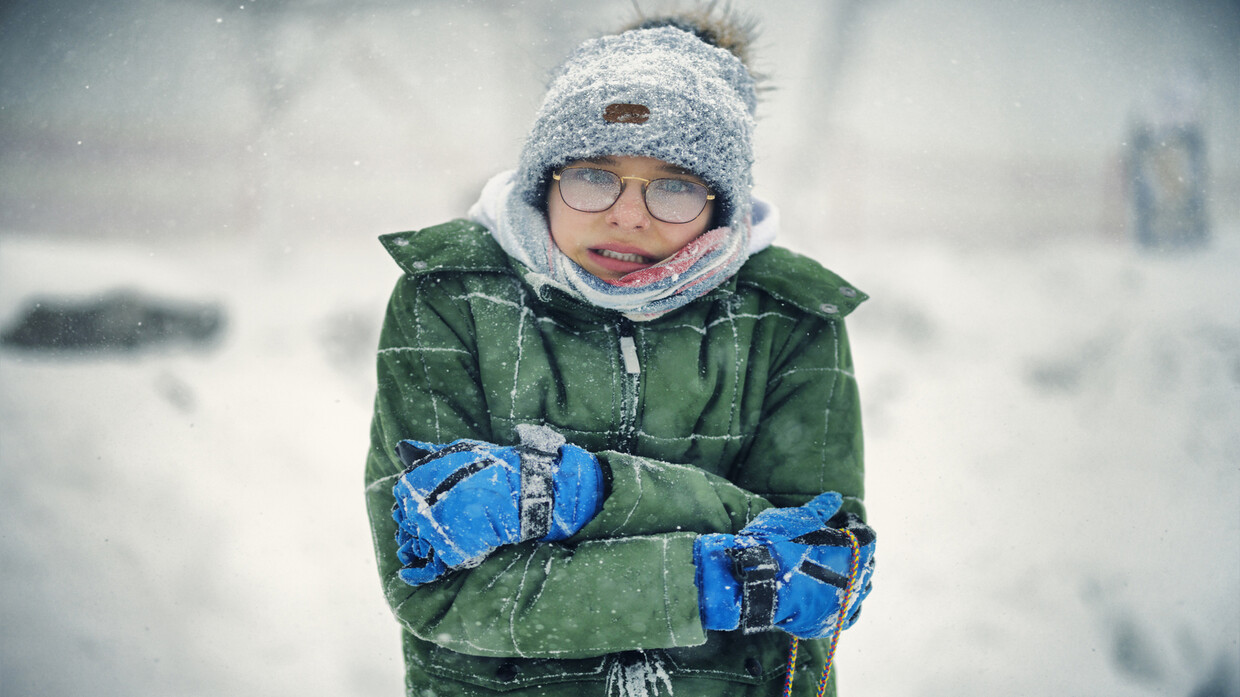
{"x": 675, "y": 200}
{"x": 589, "y": 190}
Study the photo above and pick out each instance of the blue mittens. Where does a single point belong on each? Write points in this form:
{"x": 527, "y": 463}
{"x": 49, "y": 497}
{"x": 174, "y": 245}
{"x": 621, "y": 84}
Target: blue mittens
{"x": 788, "y": 569}
{"x": 457, "y": 503}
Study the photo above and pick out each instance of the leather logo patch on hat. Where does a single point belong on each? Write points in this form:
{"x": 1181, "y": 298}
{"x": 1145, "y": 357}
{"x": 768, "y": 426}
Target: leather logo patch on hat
{"x": 626, "y": 113}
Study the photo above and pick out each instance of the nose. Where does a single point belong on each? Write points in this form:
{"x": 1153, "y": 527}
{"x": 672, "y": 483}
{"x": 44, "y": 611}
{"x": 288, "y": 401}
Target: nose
{"x": 629, "y": 211}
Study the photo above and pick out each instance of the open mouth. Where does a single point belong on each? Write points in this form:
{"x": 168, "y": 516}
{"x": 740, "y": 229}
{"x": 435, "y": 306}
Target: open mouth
{"x": 631, "y": 258}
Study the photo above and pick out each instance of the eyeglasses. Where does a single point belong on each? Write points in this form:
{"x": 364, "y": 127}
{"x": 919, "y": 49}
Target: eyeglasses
{"x": 591, "y": 190}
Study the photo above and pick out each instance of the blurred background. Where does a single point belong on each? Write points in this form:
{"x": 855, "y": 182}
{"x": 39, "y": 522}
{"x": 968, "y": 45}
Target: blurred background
{"x": 1042, "y": 199}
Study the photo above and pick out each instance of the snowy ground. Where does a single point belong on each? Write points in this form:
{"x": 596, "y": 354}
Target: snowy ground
{"x": 1053, "y": 420}
{"x": 1053, "y": 439}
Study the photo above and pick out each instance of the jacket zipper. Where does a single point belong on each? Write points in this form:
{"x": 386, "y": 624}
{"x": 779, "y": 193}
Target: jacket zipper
{"x": 629, "y": 385}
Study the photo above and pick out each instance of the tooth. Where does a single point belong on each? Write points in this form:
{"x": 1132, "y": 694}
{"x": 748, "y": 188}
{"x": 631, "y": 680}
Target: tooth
{"x": 635, "y": 258}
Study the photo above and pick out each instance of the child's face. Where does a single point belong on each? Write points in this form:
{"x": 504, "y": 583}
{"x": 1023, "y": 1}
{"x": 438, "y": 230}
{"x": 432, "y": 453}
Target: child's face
{"x": 625, "y": 237}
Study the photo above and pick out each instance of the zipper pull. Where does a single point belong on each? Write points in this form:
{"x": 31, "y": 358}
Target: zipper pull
{"x": 628, "y": 350}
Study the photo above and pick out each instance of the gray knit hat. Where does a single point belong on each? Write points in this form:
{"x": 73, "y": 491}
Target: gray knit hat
{"x": 661, "y": 93}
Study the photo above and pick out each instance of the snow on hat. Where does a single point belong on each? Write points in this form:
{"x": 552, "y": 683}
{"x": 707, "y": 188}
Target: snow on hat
{"x": 661, "y": 93}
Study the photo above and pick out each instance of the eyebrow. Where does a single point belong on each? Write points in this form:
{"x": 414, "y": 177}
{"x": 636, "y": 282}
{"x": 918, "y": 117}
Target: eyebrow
{"x": 677, "y": 169}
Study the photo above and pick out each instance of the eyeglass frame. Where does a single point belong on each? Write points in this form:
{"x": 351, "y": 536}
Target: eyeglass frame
{"x": 646, "y": 184}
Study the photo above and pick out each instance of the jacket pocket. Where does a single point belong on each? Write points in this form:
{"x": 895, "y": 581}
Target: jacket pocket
{"x": 734, "y": 657}
{"x": 506, "y": 674}
{"x": 726, "y": 657}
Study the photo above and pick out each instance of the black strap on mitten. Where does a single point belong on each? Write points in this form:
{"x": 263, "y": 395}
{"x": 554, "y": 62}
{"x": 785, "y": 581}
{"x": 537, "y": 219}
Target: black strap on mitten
{"x": 755, "y": 569}
{"x": 537, "y": 492}
{"x": 540, "y": 446}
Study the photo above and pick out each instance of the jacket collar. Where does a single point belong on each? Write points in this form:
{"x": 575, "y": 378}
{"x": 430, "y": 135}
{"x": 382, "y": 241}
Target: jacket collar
{"x": 458, "y": 245}
{"x": 802, "y": 282}
{"x": 462, "y": 245}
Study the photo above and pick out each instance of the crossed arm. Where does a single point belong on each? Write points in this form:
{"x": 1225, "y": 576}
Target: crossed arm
{"x": 630, "y": 570}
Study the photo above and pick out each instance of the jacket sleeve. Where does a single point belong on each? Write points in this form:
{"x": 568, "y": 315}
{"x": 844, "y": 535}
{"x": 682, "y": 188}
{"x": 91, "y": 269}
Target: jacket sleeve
{"x": 626, "y": 581}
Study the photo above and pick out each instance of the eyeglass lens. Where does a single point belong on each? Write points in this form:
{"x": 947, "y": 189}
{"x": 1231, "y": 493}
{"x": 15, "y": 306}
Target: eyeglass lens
{"x": 593, "y": 190}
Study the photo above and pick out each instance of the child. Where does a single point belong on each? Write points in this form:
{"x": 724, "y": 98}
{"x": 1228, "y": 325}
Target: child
{"x": 589, "y": 391}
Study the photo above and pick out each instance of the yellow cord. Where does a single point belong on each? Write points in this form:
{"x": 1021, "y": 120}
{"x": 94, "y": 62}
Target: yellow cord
{"x": 839, "y": 626}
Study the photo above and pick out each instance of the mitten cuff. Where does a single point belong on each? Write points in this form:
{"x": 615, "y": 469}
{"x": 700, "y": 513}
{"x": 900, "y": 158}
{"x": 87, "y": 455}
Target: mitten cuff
{"x": 579, "y": 485}
{"x": 719, "y": 593}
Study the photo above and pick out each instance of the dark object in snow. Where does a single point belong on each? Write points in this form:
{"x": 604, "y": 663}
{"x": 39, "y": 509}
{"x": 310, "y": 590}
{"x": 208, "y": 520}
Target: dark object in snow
{"x": 120, "y": 320}
{"x": 1223, "y": 681}
{"x": 1166, "y": 163}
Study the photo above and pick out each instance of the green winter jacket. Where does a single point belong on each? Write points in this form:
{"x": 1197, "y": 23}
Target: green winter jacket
{"x": 742, "y": 400}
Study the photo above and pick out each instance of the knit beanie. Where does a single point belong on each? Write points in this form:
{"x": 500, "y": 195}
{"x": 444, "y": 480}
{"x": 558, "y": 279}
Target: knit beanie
{"x": 660, "y": 92}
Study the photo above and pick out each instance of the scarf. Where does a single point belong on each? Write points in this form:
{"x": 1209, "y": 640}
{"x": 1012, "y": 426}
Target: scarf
{"x": 696, "y": 269}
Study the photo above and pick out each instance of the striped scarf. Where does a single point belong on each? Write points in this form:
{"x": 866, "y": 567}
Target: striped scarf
{"x": 698, "y": 268}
